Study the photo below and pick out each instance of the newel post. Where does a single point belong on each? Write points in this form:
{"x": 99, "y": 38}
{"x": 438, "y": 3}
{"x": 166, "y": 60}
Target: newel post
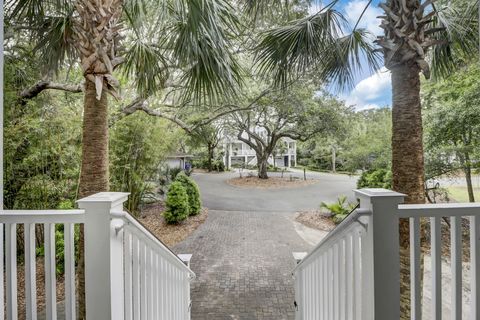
{"x": 381, "y": 254}
{"x": 103, "y": 255}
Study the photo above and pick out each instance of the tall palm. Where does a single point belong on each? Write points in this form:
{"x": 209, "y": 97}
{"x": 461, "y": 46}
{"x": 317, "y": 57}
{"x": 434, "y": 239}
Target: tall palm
{"x": 190, "y": 37}
{"x": 412, "y": 28}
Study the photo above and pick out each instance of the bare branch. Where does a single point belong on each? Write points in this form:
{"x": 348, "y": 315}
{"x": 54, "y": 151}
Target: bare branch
{"x": 42, "y": 85}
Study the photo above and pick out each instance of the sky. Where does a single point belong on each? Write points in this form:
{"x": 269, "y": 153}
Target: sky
{"x": 371, "y": 91}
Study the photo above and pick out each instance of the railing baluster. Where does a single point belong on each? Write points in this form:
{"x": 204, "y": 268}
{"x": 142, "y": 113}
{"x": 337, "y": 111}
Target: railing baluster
{"x": 155, "y": 295}
{"x": 11, "y": 270}
{"x": 143, "y": 281}
{"x": 317, "y": 291}
{"x": 30, "y": 272}
{"x": 325, "y": 285}
{"x": 357, "y": 280}
{"x": 342, "y": 277}
{"x": 2, "y": 275}
{"x": 164, "y": 290}
{"x": 475, "y": 266}
{"x": 336, "y": 291}
{"x": 350, "y": 287}
{"x": 148, "y": 272}
{"x": 69, "y": 258}
{"x": 330, "y": 284}
{"x": 127, "y": 240}
{"x": 456, "y": 266}
{"x": 415, "y": 276}
{"x": 436, "y": 248}
{"x": 136, "y": 278}
{"x": 50, "y": 272}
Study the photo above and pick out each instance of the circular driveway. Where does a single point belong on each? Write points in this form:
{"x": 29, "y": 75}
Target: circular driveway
{"x": 217, "y": 194}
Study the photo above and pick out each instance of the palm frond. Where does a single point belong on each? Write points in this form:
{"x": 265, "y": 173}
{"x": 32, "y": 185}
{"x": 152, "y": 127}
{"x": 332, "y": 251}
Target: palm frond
{"x": 55, "y": 36}
{"x": 145, "y": 63}
{"x": 21, "y": 9}
{"x": 459, "y": 40}
{"x": 202, "y": 47}
{"x": 317, "y": 43}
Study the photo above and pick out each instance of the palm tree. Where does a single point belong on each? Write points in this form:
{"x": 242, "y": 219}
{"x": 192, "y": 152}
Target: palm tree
{"x": 416, "y": 31}
{"x": 186, "y": 38}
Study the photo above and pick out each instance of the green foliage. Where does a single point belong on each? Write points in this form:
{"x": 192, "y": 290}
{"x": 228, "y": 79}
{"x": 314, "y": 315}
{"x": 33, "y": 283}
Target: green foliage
{"x": 340, "y": 209}
{"x": 60, "y": 247}
{"x": 177, "y": 207}
{"x": 362, "y": 142}
{"x": 452, "y": 121}
{"x": 42, "y": 141}
{"x": 138, "y": 146}
{"x": 380, "y": 178}
{"x": 193, "y": 193}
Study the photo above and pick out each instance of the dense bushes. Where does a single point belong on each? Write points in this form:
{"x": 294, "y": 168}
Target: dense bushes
{"x": 380, "y": 178}
{"x": 217, "y": 164}
{"x": 193, "y": 192}
{"x": 177, "y": 207}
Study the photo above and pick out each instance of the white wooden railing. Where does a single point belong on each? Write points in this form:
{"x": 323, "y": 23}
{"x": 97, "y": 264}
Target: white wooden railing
{"x": 354, "y": 273}
{"x": 129, "y": 274}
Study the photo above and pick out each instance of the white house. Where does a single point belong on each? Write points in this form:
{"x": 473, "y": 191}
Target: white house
{"x": 238, "y": 153}
{"x": 178, "y": 160}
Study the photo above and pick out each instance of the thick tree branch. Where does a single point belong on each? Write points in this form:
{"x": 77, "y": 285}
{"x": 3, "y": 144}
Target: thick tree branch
{"x": 42, "y": 85}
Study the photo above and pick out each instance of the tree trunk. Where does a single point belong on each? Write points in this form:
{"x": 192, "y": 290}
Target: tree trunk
{"x": 467, "y": 169}
{"x": 407, "y": 160}
{"x": 210, "y": 157}
{"x": 334, "y": 159}
{"x": 94, "y": 171}
{"x": 262, "y": 163}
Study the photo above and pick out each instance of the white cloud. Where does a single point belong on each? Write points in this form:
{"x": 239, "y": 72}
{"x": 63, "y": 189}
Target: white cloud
{"x": 372, "y": 92}
{"x": 369, "y": 21}
{"x": 315, "y": 6}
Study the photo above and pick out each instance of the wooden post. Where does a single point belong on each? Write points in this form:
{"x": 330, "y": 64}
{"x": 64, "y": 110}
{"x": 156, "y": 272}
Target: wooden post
{"x": 104, "y": 255}
{"x": 381, "y": 254}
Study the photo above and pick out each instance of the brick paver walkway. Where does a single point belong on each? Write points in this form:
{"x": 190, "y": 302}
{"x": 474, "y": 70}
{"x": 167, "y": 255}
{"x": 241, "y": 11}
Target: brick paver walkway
{"x": 243, "y": 262}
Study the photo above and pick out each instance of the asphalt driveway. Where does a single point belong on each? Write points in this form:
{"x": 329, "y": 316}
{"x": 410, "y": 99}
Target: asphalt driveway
{"x": 218, "y": 195}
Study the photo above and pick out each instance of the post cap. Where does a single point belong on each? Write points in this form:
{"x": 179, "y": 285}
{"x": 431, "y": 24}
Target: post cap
{"x": 378, "y": 192}
{"x": 105, "y": 197}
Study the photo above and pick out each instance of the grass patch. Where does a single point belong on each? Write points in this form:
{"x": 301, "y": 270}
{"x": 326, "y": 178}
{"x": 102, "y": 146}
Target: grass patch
{"x": 460, "y": 194}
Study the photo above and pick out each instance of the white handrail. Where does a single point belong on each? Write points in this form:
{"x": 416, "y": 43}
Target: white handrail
{"x": 352, "y": 218}
{"x": 42, "y": 216}
{"x": 172, "y": 257}
{"x": 438, "y": 210}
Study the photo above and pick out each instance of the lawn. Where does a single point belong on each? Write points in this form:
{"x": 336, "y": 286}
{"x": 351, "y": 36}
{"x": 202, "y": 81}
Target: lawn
{"x": 460, "y": 193}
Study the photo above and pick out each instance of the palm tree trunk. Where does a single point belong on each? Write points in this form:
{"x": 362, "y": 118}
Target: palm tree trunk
{"x": 407, "y": 160}
{"x": 94, "y": 171}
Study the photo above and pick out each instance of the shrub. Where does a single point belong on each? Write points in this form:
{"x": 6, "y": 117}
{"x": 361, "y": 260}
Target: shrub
{"x": 193, "y": 192}
{"x": 177, "y": 207}
{"x": 339, "y": 209}
{"x": 173, "y": 172}
{"x": 379, "y": 178}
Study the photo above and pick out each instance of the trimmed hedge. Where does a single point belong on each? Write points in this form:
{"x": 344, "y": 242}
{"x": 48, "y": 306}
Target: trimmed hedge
{"x": 193, "y": 192}
{"x": 177, "y": 207}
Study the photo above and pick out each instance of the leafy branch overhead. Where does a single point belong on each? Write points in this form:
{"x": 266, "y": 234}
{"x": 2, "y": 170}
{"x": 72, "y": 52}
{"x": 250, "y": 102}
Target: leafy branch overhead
{"x": 155, "y": 44}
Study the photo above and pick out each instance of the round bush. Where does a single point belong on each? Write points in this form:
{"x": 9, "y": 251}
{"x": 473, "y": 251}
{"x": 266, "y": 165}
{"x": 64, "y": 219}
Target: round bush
{"x": 193, "y": 192}
{"x": 177, "y": 208}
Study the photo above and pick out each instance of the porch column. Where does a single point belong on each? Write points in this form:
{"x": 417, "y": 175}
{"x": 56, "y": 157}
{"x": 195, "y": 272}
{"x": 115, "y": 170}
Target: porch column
{"x": 381, "y": 254}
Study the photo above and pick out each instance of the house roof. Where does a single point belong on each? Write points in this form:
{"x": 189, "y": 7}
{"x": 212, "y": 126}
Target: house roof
{"x": 179, "y": 155}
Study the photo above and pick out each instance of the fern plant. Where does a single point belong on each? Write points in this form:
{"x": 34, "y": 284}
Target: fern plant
{"x": 339, "y": 209}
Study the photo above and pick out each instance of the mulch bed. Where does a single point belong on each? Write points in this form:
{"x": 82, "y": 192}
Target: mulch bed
{"x": 315, "y": 219}
{"x": 170, "y": 234}
{"x": 270, "y": 183}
